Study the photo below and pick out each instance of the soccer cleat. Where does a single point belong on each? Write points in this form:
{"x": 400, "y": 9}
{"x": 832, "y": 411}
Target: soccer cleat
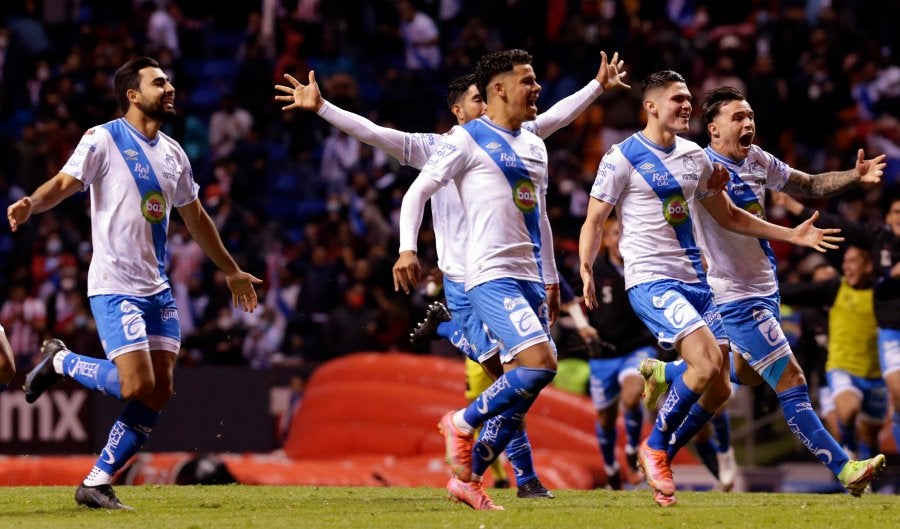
{"x": 43, "y": 375}
{"x": 727, "y": 469}
{"x": 457, "y": 446}
{"x": 655, "y": 464}
{"x": 533, "y": 488}
{"x": 435, "y": 314}
{"x": 655, "y": 385}
{"x": 857, "y": 475}
{"x": 99, "y": 497}
{"x": 662, "y": 500}
{"x": 472, "y": 494}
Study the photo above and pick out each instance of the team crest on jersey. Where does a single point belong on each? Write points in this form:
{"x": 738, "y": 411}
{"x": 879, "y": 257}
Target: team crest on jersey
{"x": 537, "y": 152}
{"x": 675, "y": 210}
{"x": 170, "y": 168}
{"x": 756, "y": 209}
{"x": 524, "y": 195}
{"x": 756, "y": 169}
{"x": 689, "y": 164}
{"x": 153, "y": 207}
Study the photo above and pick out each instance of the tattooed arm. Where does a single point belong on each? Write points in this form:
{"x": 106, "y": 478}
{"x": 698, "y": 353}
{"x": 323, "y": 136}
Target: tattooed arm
{"x": 834, "y": 182}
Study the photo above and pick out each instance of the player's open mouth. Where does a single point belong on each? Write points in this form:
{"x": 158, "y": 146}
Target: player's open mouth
{"x": 746, "y": 139}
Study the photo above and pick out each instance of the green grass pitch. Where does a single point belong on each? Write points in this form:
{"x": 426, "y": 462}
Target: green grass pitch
{"x": 245, "y": 506}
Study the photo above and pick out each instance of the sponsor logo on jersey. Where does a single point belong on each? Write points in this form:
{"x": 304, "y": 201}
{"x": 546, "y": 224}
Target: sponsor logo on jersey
{"x": 130, "y": 154}
{"x": 675, "y": 210}
{"x": 493, "y": 146}
{"x": 127, "y": 306}
{"x": 141, "y": 171}
{"x": 645, "y": 166}
{"x": 153, "y": 207}
{"x": 169, "y": 314}
{"x": 756, "y": 209}
{"x": 660, "y": 179}
{"x": 511, "y": 303}
{"x": 524, "y": 195}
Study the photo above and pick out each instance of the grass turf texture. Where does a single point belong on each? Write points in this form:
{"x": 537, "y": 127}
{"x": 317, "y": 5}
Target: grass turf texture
{"x": 400, "y": 508}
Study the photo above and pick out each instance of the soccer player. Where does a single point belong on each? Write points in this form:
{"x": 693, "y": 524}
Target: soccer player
{"x": 136, "y": 174}
{"x": 500, "y": 171}
{"x": 414, "y": 149}
{"x": 884, "y": 242}
{"x": 654, "y": 179}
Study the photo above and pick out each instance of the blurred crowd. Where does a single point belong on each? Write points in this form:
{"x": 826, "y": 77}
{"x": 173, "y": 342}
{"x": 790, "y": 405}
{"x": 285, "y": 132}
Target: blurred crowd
{"x": 315, "y": 212}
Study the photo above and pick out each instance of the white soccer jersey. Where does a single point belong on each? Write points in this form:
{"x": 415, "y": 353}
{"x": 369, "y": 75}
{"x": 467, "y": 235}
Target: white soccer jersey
{"x": 414, "y": 150}
{"x": 501, "y": 176}
{"x": 740, "y": 266}
{"x": 654, "y": 191}
{"x": 134, "y": 184}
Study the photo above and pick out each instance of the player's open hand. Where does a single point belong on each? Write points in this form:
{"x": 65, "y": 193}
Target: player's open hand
{"x": 407, "y": 272}
{"x": 818, "y": 239}
{"x": 242, "y": 292}
{"x": 869, "y": 171}
{"x": 18, "y": 212}
{"x": 304, "y": 96}
{"x": 612, "y": 72}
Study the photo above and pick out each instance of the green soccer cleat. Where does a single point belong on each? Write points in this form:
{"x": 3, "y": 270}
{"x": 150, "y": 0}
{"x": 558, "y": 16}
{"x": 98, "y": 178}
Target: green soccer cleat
{"x": 655, "y": 384}
{"x": 856, "y": 476}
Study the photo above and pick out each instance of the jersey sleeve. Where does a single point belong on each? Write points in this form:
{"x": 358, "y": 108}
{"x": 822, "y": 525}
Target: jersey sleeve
{"x": 449, "y": 158}
{"x": 612, "y": 176}
{"x": 90, "y": 160}
{"x": 777, "y": 172}
{"x": 186, "y": 190}
{"x": 565, "y": 111}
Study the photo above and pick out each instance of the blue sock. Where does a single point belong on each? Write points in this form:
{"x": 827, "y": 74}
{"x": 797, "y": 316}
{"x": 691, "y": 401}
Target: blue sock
{"x": 806, "y": 426}
{"x": 895, "y": 427}
{"x": 692, "y": 423}
{"x": 495, "y": 435}
{"x": 93, "y": 373}
{"x": 634, "y": 420}
{"x": 848, "y": 435}
{"x": 706, "y": 450}
{"x": 508, "y": 390}
{"x": 607, "y": 440}
{"x": 672, "y": 413}
{"x": 126, "y": 437}
{"x": 722, "y": 427}
{"x": 447, "y": 329}
{"x": 674, "y": 370}
{"x": 518, "y": 451}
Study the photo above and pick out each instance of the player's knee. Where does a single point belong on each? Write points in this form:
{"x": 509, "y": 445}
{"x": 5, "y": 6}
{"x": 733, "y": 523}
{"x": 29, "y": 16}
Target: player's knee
{"x": 137, "y": 388}
{"x": 535, "y": 379}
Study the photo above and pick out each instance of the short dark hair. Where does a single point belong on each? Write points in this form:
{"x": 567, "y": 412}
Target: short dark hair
{"x": 715, "y": 99}
{"x": 496, "y": 63}
{"x": 660, "y": 79}
{"x": 128, "y": 77}
{"x": 458, "y": 87}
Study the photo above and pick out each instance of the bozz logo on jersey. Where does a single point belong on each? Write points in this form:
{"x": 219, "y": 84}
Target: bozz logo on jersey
{"x": 524, "y": 195}
{"x": 675, "y": 210}
{"x": 756, "y": 209}
{"x": 153, "y": 207}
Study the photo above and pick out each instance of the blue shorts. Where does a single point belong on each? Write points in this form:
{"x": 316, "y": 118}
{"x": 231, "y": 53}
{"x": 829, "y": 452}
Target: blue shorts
{"x": 482, "y": 345}
{"x": 889, "y": 350}
{"x": 872, "y": 391}
{"x": 131, "y": 323}
{"x": 516, "y": 313}
{"x": 607, "y": 375}
{"x": 754, "y": 328}
{"x": 673, "y": 309}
